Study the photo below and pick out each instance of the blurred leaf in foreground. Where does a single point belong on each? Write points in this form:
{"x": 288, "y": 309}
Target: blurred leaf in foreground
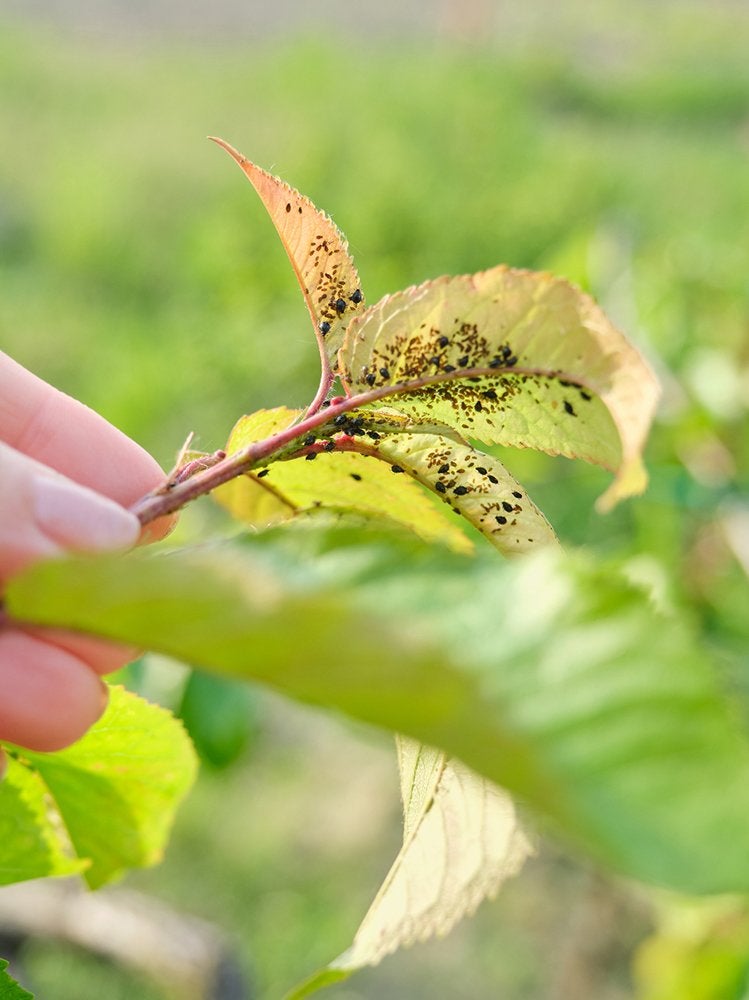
{"x": 9, "y": 988}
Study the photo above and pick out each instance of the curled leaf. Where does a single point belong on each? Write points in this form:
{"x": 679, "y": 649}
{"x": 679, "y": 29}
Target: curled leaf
{"x": 344, "y": 482}
{"x": 515, "y": 358}
{"x": 318, "y": 253}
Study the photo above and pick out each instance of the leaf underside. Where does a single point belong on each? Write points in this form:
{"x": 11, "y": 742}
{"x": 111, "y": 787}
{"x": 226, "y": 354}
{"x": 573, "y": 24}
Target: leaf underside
{"x": 521, "y": 359}
{"x": 318, "y": 253}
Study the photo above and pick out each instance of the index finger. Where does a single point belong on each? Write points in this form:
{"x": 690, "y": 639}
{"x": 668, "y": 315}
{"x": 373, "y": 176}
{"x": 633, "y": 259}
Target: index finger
{"x": 68, "y": 436}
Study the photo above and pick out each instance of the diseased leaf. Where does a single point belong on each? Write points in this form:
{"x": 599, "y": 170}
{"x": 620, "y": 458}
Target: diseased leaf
{"x": 523, "y": 359}
{"x": 461, "y": 842}
{"x": 9, "y": 988}
{"x": 475, "y": 485}
{"x": 33, "y": 843}
{"x": 318, "y": 253}
{"x": 118, "y": 788}
{"x": 551, "y": 676}
{"x": 343, "y": 481}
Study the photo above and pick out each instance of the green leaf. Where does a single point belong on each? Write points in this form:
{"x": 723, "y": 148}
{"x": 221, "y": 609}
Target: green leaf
{"x": 461, "y": 841}
{"x": 34, "y": 844}
{"x": 9, "y": 988}
{"x": 473, "y": 484}
{"x": 550, "y": 676}
{"x": 521, "y": 358}
{"x": 117, "y": 789}
{"x": 219, "y": 716}
{"x": 318, "y": 253}
{"x": 346, "y": 482}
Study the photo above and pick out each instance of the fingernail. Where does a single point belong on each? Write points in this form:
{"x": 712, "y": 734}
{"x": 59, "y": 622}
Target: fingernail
{"x": 77, "y": 518}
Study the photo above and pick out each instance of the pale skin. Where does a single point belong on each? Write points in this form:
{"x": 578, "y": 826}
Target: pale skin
{"x": 67, "y": 478}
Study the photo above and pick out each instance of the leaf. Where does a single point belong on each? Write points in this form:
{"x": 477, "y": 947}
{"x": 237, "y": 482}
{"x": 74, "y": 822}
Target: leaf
{"x": 336, "y": 481}
{"x": 9, "y": 988}
{"x": 461, "y": 842}
{"x": 551, "y": 676}
{"x": 34, "y": 844}
{"x": 117, "y": 789}
{"x": 475, "y": 485}
{"x": 524, "y": 359}
{"x": 318, "y": 253}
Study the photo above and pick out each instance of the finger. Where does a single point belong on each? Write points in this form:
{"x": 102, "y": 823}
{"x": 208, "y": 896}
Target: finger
{"x": 49, "y": 697}
{"x": 100, "y": 655}
{"x": 68, "y": 436}
{"x": 45, "y": 514}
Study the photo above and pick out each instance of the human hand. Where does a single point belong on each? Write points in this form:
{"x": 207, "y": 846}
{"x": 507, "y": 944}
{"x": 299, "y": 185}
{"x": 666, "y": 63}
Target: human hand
{"x": 66, "y": 478}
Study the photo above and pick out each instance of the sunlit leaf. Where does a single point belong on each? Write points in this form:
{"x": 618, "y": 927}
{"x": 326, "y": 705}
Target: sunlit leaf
{"x": 9, "y": 988}
{"x": 33, "y": 842}
{"x": 341, "y": 481}
{"x": 461, "y": 842}
{"x": 117, "y": 789}
{"x": 551, "y": 676}
{"x": 524, "y": 359}
{"x": 318, "y": 253}
{"x": 473, "y": 484}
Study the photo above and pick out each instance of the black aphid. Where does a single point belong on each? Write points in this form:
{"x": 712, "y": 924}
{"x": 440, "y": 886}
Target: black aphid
{"x": 310, "y": 439}
{"x": 518, "y": 495}
{"x": 330, "y": 446}
{"x": 288, "y": 206}
{"x": 311, "y": 456}
{"x": 356, "y": 297}
{"x": 490, "y": 394}
{"x": 374, "y": 435}
{"x": 480, "y": 469}
{"x": 568, "y": 408}
{"x": 460, "y": 491}
{"x": 356, "y": 476}
{"x": 449, "y": 368}
{"x": 396, "y": 468}
{"x": 443, "y": 341}
{"x": 463, "y": 362}
{"x": 477, "y": 406}
{"x": 586, "y": 395}
{"x": 507, "y": 506}
{"x": 434, "y": 361}
{"x": 443, "y": 469}
{"x": 495, "y": 363}
{"x": 493, "y": 479}
{"x": 370, "y": 379}
{"x": 340, "y": 418}
{"x": 384, "y": 372}
{"x": 340, "y": 306}
{"x": 506, "y": 351}
{"x": 324, "y": 327}
{"x": 511, "y": 362}
{"x": 500, "y": 519}
{"x": 440, "y": 487}
{"x": 263, "y": 472}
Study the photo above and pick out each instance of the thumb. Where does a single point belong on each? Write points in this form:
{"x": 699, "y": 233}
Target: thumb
{"x": 43, "y": 514}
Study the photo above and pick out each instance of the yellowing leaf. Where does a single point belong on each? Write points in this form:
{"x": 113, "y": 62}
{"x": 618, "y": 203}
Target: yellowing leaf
{"x": 461, "y": 841}
{"x": 336, "y": 481}
{"x": 475, "y": 485}
{"x": 318, "y": 253}
{"x": 522, "y": 359}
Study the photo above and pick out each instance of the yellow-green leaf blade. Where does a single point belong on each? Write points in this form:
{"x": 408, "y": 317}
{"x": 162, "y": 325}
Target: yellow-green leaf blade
{"x": 555, "y": 374}
{"x": 118, "y": 788}
{"x": 343, "y": 481}
{"x": 318, "y": 253}
{"x": 473, "y": 484}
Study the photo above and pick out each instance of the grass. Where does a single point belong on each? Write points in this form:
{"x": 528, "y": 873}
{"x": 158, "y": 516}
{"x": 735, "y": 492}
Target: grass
{"x": 138, "y": 272}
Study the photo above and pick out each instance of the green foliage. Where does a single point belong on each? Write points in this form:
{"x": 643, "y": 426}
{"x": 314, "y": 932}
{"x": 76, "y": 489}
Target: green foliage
{"x": 101, "y": 806}
{"x": 9, "y": 988}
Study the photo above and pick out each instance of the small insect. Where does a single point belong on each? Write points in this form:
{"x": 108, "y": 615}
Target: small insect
{"x": 518, "y": 495}
{"x": 310, "y": 439}
{"x": 263, "y": 472}
{"x": 460, "y": 491}
{"x": 356, "y": 297}
{"x": 443, "y": 469}
{"x": 340, "y": 306}
{"x": 478, "y": 407}
{"x": 434, "y": 361}
{"x": 568, "y": 408}
{"x": 288, "y": 206}
{"x": 463, "y": 362}
{"x": 370, "y": 379}
{"x": 586, "y": 395}
{"x": 324, "y": 327}
{"x": 440, "y": 487}
{"x": 356, "y": 476}
{"x": 443, "y": 341}
{"x": 311, "y": 456}
{"x": 384, "y": 372}
{"x": 449, "y": 368}
{"x": 507, "y": 506}
{"x": 506, "y": 351}
{"x": 500, "y": 519}
{"x": 493, "y": 479}
{"x": 511, "y": 362}
{"x": 396, "y": 468}
{"x": 374, "y": 435}
{"x": 329, "y": 446}
{"x": 480, "y": 469}
{"x": 340, "y": 418}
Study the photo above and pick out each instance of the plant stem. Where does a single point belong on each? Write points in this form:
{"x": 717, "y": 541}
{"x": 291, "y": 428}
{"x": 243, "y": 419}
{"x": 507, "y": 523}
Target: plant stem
{"x": 175, "y": 494}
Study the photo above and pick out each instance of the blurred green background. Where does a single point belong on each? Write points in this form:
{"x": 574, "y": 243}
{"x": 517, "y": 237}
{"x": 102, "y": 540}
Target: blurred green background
{"x": 138, "y": 271}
